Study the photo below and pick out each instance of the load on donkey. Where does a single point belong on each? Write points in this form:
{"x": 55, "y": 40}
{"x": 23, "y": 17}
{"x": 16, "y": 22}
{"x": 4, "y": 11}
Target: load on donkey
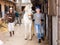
{"x": 3, "y": 26}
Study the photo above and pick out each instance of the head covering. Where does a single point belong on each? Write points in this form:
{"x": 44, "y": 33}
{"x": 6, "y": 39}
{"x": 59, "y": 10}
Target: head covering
{"x": 37, "y": 7}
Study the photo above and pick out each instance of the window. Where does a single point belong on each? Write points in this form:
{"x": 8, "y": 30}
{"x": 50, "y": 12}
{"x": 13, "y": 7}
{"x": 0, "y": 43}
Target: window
{"x": 17, "y": 1}
{"x": 23, "y": 8}
{"x": 6, "y": 9}
{"x": 25, "y": 1}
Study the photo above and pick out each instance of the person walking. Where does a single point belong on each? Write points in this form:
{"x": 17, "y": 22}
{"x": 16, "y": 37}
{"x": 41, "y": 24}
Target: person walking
{"x": 10, "y": 17}
{"x": 37, "y": 23}
{"x": 17, "y": 17}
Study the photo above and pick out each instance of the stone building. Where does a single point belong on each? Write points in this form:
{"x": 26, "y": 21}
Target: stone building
{"x": 5, "y": 5}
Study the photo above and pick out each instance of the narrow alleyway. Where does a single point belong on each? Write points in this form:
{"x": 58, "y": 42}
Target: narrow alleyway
{"x": 18, "y": 38}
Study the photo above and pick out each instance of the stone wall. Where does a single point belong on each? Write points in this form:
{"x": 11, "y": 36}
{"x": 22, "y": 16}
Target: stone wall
{"x": 58, "y": 22}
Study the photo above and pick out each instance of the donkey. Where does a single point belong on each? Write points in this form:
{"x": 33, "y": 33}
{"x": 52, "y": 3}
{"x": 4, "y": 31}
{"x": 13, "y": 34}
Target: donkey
{"x": 27, "y": 18}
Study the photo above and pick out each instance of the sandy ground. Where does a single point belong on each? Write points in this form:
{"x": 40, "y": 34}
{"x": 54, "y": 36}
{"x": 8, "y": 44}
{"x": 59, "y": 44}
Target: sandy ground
{"x": 18, "y": 38}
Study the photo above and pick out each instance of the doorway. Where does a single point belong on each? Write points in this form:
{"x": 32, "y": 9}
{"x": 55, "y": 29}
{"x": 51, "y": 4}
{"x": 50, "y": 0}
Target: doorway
{"x": 23, "y": 8}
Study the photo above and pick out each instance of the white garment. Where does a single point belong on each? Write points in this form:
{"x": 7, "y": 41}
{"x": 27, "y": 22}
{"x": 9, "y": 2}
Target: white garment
{"x": 11, "y": 26}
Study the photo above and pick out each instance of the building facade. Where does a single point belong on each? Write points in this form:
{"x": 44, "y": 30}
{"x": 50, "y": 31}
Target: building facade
{"x": 5, "y": 5}
{"x": 22, "y": 3}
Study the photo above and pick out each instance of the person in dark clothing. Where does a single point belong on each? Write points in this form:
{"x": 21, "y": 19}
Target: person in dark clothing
{"x": 17, "y": 18}
{"x": 10, "y": 17}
